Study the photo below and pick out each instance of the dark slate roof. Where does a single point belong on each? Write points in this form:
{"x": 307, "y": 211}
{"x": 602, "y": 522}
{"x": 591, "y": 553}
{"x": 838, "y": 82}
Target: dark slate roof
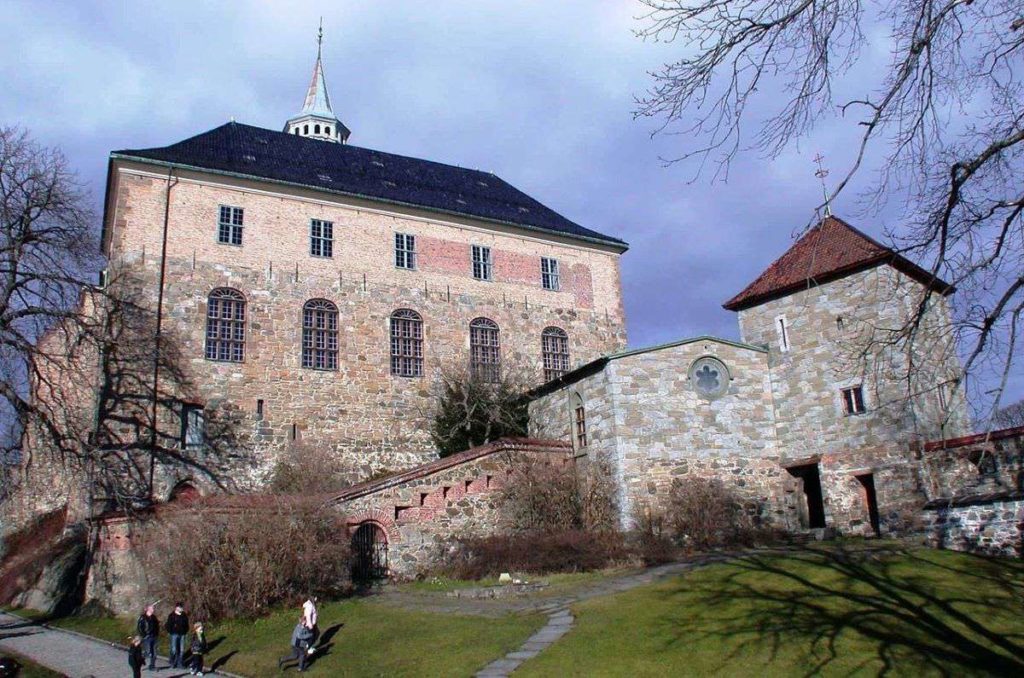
{"x": 829, "y": 251}
{"x": 266, "y": 154}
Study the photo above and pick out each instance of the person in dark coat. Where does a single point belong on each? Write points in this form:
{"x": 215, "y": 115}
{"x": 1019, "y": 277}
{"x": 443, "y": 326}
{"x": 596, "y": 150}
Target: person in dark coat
{"x": 177, "y": 628}
{"x": 198, "y": 649}
{"x": 302, "y": 635}
{"x": 135, "y": 658}
{"x": 149, "y": 629}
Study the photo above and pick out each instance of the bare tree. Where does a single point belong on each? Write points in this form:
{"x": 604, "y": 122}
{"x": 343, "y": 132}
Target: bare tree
{"x": 942, "y": 123}
{"x": 47, "y": 244}
{"x": 1010, "y": 416}
{"x": 471, "y": 408}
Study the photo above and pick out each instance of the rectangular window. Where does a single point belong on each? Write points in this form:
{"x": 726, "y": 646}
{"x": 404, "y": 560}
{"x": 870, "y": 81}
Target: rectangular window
{"x": 193, "y": 426}
{"x": 549, "y": 273}
{"x": 782, "y": 329}
{"x": 481, "y": 262}
{"x": 853, "y": 400}
{"x": 321, "y": 238}
{"x": 405, "y": 250}
{"x": 581, "y": 427}
{"x": 229, "y": 229}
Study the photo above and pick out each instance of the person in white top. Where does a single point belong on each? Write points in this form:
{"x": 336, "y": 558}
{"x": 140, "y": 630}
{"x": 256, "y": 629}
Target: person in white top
{"x": 309, "y": 620}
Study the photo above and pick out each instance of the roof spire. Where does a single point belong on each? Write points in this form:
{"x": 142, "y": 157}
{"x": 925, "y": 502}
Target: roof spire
{"x": 317, "y": 119}
{"x": 821, "y": 173}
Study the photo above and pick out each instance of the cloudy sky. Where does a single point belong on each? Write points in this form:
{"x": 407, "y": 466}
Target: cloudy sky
{"x": 541, "y": 93}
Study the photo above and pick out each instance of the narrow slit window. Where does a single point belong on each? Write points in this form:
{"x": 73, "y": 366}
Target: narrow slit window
{"x": 580, "y": 417}
{"x": 193, "y": 426}
{"x": 782, "y": 329}
{"x": 853, "y": 400}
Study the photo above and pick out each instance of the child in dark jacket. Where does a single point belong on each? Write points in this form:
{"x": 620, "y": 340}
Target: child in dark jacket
{"x": 198, "y": 649}
{"x": 135, "y": 658}
{"x": 302, "y": 635}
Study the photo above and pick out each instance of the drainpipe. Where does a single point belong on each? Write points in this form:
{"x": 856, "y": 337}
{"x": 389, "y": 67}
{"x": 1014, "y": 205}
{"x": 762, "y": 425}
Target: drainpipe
{"x": 157, "y": 337}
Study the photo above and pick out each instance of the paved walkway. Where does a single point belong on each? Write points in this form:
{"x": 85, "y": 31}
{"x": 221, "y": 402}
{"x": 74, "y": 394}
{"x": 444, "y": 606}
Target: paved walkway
{"x": 72, "y": 654}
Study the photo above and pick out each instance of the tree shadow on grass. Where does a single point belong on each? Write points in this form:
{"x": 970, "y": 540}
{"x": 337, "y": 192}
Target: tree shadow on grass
{"x": 915, "y": 614}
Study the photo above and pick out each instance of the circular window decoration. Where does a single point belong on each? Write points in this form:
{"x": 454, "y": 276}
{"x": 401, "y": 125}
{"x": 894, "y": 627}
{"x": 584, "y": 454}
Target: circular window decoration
{"x": 710, "y": 377}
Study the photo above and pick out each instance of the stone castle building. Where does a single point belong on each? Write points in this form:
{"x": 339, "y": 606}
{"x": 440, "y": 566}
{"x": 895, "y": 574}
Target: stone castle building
{"x": 319, "y": 287}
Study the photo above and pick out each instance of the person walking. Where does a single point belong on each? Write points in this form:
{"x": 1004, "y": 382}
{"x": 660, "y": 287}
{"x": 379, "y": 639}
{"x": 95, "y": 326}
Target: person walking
{"x": 198, "y": 649}
{"x": 135, "y": 658}
{"x": 149, "y": 628}
{"x": 177, "y": 628}
{"x": 309, "y": 618}
{"x": 301, "y": 637}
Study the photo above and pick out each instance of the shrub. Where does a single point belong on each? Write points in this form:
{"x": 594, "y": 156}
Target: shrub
{"x": 470, "y": 411}
{"x": 309, "y": 469}
{"x": 547, "y": 497}
{"x": 704, "y": 513}
{"x": 240, "y": 562}
{"x": 650, "y": 539}
{"x": 536, "y": 552}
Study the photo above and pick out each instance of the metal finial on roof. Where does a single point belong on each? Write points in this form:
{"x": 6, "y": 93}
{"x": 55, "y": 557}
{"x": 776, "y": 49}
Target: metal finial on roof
{"x": 821, "y": 173}
{"x": 320, "y": 37}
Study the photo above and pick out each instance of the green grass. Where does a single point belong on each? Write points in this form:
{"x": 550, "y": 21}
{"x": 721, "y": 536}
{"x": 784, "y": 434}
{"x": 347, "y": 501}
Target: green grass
{"x": 30, "y": 669}
{"x": 374, "y": 640}
{"x": 839, "y": 611}
{"x": 560, "y": 582}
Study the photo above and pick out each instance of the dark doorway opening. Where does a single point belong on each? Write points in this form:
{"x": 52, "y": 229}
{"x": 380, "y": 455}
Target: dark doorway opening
{"x": 810, "y": 485}
{"x": 369, "y": 553}
{"x": 867, "y": 482}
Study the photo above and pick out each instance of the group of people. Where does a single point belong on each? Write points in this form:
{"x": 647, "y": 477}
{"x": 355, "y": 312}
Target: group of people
{"x": 143, "y": 644}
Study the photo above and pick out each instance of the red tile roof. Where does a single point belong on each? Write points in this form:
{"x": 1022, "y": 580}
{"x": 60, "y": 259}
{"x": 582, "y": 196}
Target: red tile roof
{"x": 829, "y": 251}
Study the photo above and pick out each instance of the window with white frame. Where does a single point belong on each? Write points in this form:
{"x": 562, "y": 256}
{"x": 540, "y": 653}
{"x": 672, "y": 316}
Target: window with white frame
{"x": 225, "y": 325}
{"x": 481, "y": 262}
{"x": 485, "y": 350}
{"x": 193, "y": 426}
{"x": 229, "y": 227}
{"x": 320, "y": 335}
{"x": 554, "y": 344}
{"x": 405, "y": 250}
{"x": 549, "y": 273}
{"x": 406, "y": 343}
{"x": 853, "y": 400}
{"x": 321, "y": 238}
{"x": 782, "y": 330}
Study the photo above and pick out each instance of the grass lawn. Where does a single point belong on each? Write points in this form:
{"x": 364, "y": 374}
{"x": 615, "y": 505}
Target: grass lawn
{"x": 30, "y": 669}
{"x": 373, "y": 640}
{"x": 836, "y": 611}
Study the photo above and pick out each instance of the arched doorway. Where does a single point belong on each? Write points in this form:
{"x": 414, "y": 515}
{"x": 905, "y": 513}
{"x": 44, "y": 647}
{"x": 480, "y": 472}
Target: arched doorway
{"x": 369, "y": 553}
{"x": 184, "y": 492}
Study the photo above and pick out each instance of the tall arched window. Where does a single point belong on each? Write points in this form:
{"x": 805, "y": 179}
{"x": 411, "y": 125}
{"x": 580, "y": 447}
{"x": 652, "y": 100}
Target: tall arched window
{"x": 406, "y": 343}
{"x": 484, "y": 350}
{"x": 555, "y": 348}
{"x": 225, "y": 325}
{"x": 320, "y": 335}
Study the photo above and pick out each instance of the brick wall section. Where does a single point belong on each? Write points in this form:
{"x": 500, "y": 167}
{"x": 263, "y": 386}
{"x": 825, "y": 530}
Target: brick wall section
{"x": 375, "y": 421}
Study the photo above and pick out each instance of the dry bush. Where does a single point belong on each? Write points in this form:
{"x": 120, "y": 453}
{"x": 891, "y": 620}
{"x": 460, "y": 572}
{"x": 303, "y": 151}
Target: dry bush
{"x": 309, "y": 469}
{"x": 548, "y": 497}
{"x": 536, "y": 552}
{"x": 240, "y": 562}
{"x": 705, "y": 513}
{"x": 650, "y": 538}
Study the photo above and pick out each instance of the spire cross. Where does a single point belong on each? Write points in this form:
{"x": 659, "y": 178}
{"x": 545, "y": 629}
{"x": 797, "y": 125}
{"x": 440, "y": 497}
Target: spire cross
{"x": 821, "y": 173}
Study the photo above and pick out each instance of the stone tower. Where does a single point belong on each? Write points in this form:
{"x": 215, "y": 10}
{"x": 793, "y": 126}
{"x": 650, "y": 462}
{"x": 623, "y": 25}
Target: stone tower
{"x": 316, "y": 119}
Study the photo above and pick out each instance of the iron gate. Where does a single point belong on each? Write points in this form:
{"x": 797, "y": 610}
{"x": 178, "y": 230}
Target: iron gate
{"x": 370, "y": 553}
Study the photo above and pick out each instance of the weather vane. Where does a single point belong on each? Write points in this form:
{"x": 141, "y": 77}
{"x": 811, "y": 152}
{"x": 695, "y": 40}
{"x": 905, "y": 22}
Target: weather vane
{"x": 821, "y": 173}
{"x": 320, "y": 33}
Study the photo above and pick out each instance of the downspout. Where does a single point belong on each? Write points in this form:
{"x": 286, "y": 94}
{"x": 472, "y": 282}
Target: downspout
{"x": 158, "y": 336}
